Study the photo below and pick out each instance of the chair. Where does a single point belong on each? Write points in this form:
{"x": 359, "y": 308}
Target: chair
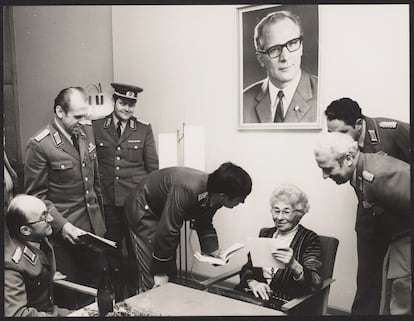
{"x": 310, "y": 304}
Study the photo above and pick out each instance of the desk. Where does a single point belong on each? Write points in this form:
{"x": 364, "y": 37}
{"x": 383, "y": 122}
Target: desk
{"x": 177, "y": 300}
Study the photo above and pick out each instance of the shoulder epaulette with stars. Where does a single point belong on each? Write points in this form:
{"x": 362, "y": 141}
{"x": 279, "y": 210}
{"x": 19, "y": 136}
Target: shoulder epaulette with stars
{"x": 388, "y": 124}
{"x": 42, "y": 134}
{"x": 368, "y": 176}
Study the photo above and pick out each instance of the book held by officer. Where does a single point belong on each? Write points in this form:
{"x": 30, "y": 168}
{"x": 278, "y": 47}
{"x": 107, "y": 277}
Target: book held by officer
{"x": 222, "y": 258}
{"x": 96, "y": 242}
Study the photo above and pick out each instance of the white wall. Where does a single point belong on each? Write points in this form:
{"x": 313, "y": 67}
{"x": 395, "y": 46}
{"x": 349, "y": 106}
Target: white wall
{"x": 58, "y": 47}
{"x": 185, "y": 58}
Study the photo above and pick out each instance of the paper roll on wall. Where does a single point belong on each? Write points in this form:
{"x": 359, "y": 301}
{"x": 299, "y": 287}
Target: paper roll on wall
{"x": 167, "y": 147}
{"x": 194, "y": 149}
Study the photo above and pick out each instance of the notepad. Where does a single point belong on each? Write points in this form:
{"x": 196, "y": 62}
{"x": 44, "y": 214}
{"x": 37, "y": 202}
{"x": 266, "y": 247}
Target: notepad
{"x": 261, "y": 249}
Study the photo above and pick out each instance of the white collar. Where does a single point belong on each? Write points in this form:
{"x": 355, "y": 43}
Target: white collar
{"x": 288, "y": 92}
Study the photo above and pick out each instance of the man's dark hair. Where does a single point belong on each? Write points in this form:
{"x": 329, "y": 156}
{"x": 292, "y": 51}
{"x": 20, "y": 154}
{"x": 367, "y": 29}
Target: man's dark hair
{"x": 344, "y": 109}
{"x": 63, "y": 98}
{"x": 127, "y": 101}
{"x": 231, "y": 180}
{"x": 15, "y": 218}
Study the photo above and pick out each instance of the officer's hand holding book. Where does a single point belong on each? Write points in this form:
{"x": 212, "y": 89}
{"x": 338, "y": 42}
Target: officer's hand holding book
{"x": 71, "y": 233}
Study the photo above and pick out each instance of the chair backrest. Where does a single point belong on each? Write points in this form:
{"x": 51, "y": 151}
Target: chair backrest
{"x": 329, "y": 246}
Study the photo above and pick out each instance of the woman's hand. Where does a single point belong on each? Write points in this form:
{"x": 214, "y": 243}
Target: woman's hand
{"x": 260, "y": 289}
{"x": 284, "y": 255}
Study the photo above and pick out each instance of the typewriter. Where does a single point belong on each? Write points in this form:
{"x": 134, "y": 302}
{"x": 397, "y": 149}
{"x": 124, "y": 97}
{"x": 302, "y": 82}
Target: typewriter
{"x": 274, "y": 302}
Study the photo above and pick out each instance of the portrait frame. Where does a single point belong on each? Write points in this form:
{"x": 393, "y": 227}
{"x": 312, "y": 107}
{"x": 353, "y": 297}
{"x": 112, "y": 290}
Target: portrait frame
{"x": 307, "y": 113}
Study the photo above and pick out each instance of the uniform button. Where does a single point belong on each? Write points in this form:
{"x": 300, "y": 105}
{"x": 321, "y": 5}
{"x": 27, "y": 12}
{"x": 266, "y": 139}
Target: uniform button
{"x": 149, "y": 241}
{"x": 38, "y": 283}
{"x": 135, "y": 147}
{"x": 146, "y": 207}
{"x": 116, "y": 177}
{"x": 88, "y": 205}
{"x": 83, "y": 164}
{"x": 62, "y": 166}
{"x": 100, "y": 144}
{"x": 117, "y": 168}
{"x": 118, "y": 148}
{"x": 87, "y": 191}
{"x": 86, "y": 179}
{"x": 118, "y": 158}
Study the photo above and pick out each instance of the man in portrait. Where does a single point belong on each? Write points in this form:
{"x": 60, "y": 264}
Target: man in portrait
{"x": 288, "y": 94}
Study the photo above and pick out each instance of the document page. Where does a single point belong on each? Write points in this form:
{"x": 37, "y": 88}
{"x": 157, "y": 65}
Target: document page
{"x": 261, "y": 249}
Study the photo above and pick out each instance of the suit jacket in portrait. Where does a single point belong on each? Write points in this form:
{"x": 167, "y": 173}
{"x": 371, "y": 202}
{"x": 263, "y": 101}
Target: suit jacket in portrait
{"x": 302, "y": 108}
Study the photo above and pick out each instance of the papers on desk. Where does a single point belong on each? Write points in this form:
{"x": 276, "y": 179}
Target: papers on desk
{"x": 261, "y": 249}
{"x": 223, "y": 258}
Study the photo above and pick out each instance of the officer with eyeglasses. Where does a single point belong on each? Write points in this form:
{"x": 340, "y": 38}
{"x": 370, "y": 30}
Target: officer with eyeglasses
{"x": 29, "y": 261}
{"x": 288, "y": 94}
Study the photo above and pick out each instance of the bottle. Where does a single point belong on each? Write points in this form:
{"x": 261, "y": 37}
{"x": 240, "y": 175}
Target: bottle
{"x": 118, "y": 285}
{"x": 105, "y": 296}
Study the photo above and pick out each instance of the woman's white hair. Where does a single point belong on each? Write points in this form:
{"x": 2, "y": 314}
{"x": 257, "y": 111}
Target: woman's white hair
{"x": 291, "y": 194}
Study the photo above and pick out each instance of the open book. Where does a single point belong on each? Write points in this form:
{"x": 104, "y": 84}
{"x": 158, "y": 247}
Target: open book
{"x": 96, "y": 242}
{"x": 220, "y": 259}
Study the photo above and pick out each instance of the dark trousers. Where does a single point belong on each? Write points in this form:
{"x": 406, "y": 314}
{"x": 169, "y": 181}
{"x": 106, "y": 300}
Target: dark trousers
{"x": 371, "y": 255}
{"x": 81, "y": 265}
{"x": 117, "y": 230}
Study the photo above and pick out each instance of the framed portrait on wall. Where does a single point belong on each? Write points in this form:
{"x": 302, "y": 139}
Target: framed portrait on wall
{"x": 279, "y": 67}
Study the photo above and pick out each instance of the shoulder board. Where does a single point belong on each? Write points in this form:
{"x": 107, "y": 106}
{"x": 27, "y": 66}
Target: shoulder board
{"x": 30, "y": 255}
{"x": 17, "y": 255}
{"x": 143, "y": 122}
{"x": 369, "y": 177}
{"x": 42, "y": 134}
{"x": 388, "y": 124}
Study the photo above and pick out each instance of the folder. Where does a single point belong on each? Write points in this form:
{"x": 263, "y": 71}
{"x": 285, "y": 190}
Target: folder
{"x": 261, "y": 249}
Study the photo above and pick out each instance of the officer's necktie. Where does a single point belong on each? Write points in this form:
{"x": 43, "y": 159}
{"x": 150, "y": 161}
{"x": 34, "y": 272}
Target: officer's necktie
{"x": 118, "y": 129}
{"x": 279, "y": 114}
{"x": 75, "y": 142}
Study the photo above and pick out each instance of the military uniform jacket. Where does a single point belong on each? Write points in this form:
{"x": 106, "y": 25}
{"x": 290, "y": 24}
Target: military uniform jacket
{"x": 123, "y": 161}
{"x": 28, "y": 279}
{"x": 67, "y": 182}
{"x": 302, "y": 108}
{"x": 383, "y": 191}
{"x": 387, "y": 136}
{"x": 162, "y": 201}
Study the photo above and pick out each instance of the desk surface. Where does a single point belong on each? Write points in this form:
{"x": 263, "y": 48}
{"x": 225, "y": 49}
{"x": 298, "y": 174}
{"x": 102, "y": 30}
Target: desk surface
{"x": 177, "y": 300}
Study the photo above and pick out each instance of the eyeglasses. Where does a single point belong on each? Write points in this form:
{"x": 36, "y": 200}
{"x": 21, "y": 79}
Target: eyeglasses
{"x": 285, "y": 213}
{"x": 276, "y": 51}
{"x": 43, "y": 218}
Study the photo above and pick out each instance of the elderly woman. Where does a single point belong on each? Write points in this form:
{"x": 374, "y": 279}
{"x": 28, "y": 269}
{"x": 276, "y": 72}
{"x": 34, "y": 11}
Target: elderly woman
{"x": 298, "y": 250}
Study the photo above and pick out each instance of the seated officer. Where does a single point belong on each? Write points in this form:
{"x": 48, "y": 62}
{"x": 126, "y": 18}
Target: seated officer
{"x": 29, "y": 261}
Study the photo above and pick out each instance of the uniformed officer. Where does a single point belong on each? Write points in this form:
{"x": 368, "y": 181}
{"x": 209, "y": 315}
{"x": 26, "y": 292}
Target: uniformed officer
{"x": 382, "y": 185}
{"x": 29, "y": 261}
{"x": 164, "y": 199}
{"x": 126, "y": 153}
{"x": 374, "y": 135}
{"x": 61, "y": 168}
